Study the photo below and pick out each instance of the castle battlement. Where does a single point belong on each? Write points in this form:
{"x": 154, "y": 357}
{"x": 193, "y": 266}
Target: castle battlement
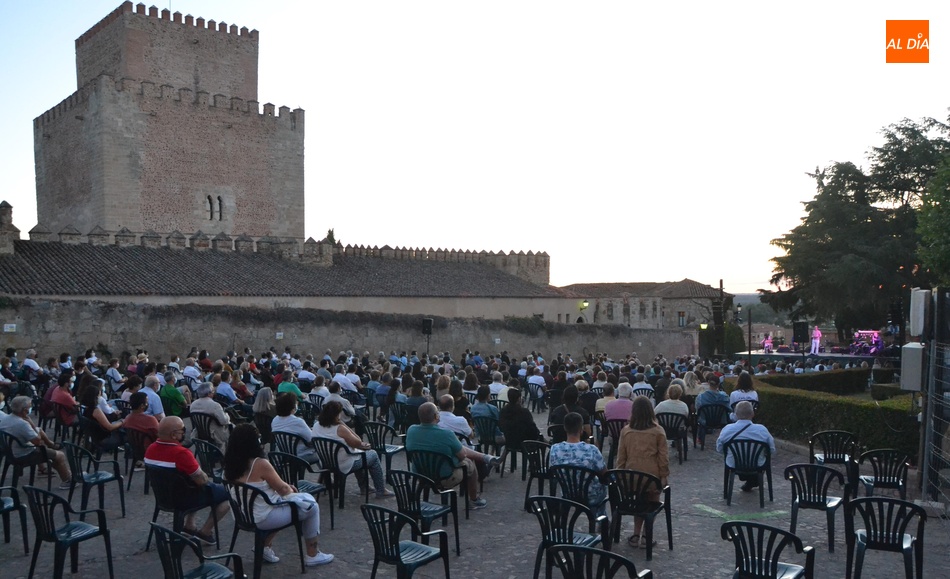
{"x": 169, "y": 17}
{"x": 292, "y": 119}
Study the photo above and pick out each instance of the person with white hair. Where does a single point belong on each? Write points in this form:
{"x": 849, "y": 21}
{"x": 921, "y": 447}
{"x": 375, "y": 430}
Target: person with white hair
{"x": 30, "y": 440}
{"x": 620, "y": 408}
{"x": 745, "y": 429}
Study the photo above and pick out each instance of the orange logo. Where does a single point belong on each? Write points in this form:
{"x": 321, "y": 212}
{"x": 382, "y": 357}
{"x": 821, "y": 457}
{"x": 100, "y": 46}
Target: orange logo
{"x": 908, "y": 41}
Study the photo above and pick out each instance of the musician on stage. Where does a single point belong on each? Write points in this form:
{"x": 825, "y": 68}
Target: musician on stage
{"x": 815, "y": 340}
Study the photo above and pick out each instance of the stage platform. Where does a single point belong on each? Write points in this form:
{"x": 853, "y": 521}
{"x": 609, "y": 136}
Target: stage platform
{"x": 843, "y": 358}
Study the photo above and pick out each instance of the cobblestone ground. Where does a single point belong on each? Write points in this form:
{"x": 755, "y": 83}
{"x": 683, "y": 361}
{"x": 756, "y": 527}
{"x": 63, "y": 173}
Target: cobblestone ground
{"x": 501, "y": 540}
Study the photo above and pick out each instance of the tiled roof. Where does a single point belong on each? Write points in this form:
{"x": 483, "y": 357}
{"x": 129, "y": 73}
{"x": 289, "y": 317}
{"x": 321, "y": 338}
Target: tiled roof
{"x": 56, "y": 268}
{"x": 686, "y": 288}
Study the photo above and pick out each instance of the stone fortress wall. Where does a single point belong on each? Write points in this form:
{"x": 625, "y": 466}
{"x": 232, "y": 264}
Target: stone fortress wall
{"x": 165, "y": 133}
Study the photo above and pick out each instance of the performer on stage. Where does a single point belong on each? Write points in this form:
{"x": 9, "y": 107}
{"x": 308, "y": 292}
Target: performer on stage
{"x": 767, "y": 344}
{"x": 815, "y": 340}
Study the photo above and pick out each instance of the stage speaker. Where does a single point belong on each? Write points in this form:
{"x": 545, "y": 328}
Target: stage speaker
{"x": 800, "y": 331}
{"x": 427, "y": 326}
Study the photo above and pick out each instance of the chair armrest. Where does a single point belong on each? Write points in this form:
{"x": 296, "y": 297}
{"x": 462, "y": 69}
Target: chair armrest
{"x": 313, "y": 469}
{"x": 101, "y": 514}
{"x": 666, "y": 493}
{"x": 443, "y": 538}
{"x": 645, "y": 574}
{"x": 604, "y": 531}
{"x": 238, "y": 562}
{"x": 114, "y": 463}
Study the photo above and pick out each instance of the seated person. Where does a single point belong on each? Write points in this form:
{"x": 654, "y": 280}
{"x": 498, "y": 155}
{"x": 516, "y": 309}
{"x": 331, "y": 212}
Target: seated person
{"x": 576, "y": 453}
{"x": 174, "y": 401}
{"x": 428, "y": 436}
{"x": 711, "y": 396}
{"x": 586, "y": 398}
{"x": 569, "y": 404}
{"x": 167, "y": 452}
{"x": 483, "y": 408}
{"x": 286, "y": 421}
{"x": 745, "y": 429}
{"x": 330, "y": 425}
{"x": 31, "y": 441}
{"x": 517, "y": 422}
{"x": 287, "y": 385}
{"x": 745, "y": 390}
{"x": 609, "y": 396}
{"x": 204, "y": 404}
{"x": 673, "y": 403}
{"x": 138, "y": 419}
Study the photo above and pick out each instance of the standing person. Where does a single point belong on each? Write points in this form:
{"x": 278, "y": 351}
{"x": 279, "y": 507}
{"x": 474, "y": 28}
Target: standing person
{"x": 815, "y": 340}
{"x": 244, "y": 462}
{"x": 167, "y": 452}
{"x": 30, "y": 440}
{"x": 745, "y": 429}
{"x": 643, "y": 447}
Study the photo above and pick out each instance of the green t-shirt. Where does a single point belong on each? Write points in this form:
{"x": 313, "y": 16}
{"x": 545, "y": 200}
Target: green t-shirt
{"x": 173, "y": 400}
{"x": 290, "y": 387}
{"x": 434, "y": 438}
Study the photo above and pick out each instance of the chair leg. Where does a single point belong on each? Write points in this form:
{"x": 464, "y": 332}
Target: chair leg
{"x": 762, "y": 490}
{"x": 648, "y": 526}
{"x": 793, "y": 523}
{"x": 537, "y": 560}
{"x": 121, "y": 497}
{"x": 36, "y": 553}
{"x": 26, "y": 545}
{"x": 455, "y": 520}
{"x": 59, "y": 560}
{"x": 108, "y": 541}
{"x": 831, "y": 531}
{"x": 919, "y": 556}
{"x": 74, "y": 557}
{"x": 858, "y": 561}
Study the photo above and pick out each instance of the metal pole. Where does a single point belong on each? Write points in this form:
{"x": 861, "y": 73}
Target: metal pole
{"x": 750, "y": 338}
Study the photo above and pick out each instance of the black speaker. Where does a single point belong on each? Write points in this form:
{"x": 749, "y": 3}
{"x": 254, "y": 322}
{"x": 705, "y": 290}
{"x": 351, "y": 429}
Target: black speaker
{"x": 800, "y": 330}
{"x": 427, "y": 326}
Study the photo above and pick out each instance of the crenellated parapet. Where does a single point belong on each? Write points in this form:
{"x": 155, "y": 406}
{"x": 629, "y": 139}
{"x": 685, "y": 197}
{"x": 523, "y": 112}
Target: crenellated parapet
{"x": 169, "y": 17}
{"x": 222, "y": 105}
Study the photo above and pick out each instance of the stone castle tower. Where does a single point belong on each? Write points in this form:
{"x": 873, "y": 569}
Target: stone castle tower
{"x": 165, "y": 133}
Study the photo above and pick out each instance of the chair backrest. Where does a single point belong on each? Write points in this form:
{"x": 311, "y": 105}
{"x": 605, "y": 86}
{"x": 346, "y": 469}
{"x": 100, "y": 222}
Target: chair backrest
{"x": 7, "y": 441}
{"x": 316, "y": 399}
{"x": 754, "y": 403}
{"x": 170, "y": 546}
{"x": 889, "y": 465}
{"x": 574, "y": 481}
{"x": 242, "y": 498}
{"x": 385, "y": 527}
{"x": 329, "y": 451}
{"x": 534, "y": 390}
{"x": 632, "y": 490}
{"x": 837, "y": 446}
{"x": 713, "y": 415}
{"x": 138, "y": 441}
{"x": 43, "y": 505}
{"x": 287, "y": 441}
{"x": 409, "y": 487}
{"x": 262, "y": 422}
{"x": 75, "y": 455}
{"x": 613, "y": 428}
{"x": 170, "y": 486}
{"x": 485, "y": 427}
{"x": 885, "y": 521}
{"x": 381, "y": 400}
{"x": 810, "y": 483}
{"x": 574, "y": 561}
{"x": 221, "y": 399}
{"x": 410, "y": 416}
{"x": 748, "y": 455}
{"x": 208, "y": 456}
{"x": 598, "y": 390}
{"x": 354, "y": 398}
{"x": 290, "y": 467}
{"x": 305, "y": 385}
{"x": 309, "y": 411}
{"x": 673, "y": 423}
{"x": 758, "y": 547}
{"x": 558, "y": 518}
{"x": 536, "y": 455}
{"x": 471, "y": 397}
{"x": 201, "y": 423}
{"x": 433, "y": 465}
{"x": 557, "y": 433}
{"x": 379, "y": 434}
{"x": 554, "y": 397}
{"x": 648, "y": 392}
{"x": 123, "y": 407}
{"x": 499, "y": 404}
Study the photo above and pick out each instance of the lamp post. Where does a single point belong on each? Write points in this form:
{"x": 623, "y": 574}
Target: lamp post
{"x": 737, "y": 316}
{"x": 749, "y": 316}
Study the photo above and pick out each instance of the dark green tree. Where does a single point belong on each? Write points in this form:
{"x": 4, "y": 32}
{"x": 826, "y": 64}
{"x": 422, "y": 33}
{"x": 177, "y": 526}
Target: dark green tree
{"x": 856, "y": 248}
{"x": 934, "y": 226}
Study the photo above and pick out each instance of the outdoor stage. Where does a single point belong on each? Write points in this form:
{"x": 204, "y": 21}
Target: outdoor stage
{"x": 843, "y": 358}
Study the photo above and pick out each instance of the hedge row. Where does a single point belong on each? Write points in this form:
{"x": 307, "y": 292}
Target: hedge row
{"x": 887, "y": 391}
{"x": 794, "y": 415}
{"x": 841, "y": 382}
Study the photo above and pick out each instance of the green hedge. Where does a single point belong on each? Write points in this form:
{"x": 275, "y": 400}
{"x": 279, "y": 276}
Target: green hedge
{"x": 887, "y": 391}
{"x": 841, "y": 382}
{"x": 794, "y": 415}
{"x": 883, "y": 375}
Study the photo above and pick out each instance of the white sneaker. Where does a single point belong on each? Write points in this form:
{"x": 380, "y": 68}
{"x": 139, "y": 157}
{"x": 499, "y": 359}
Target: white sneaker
{"x": 318, "y": 559}
{"x": 270, "y": 556}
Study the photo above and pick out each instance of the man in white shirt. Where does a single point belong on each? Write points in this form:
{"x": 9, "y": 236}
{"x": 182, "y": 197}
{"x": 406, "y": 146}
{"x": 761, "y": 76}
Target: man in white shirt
{"x": 496, "y": 385}
{"x": 450, "y": 421}
{"x": 306, "y": 374}
{"x": 340, "y": 377}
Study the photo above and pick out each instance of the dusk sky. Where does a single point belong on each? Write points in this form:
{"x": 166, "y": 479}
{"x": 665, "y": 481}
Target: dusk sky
{"x": 631, "y": 141}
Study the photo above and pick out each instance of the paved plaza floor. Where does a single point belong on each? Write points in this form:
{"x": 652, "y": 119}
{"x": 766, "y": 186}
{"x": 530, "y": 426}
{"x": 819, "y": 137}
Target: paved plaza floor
{"x": 501, "y": 540}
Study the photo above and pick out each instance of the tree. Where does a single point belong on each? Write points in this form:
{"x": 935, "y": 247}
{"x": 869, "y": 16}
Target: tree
{"x": 856, "y": 248}
{"x": 934, "y": 226}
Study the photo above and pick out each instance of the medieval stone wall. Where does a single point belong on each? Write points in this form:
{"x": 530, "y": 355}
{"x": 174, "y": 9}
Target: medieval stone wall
{"x": 172, "y": 49}
{"x": 140, "y": 156}
{"x": 52, "y": 327}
